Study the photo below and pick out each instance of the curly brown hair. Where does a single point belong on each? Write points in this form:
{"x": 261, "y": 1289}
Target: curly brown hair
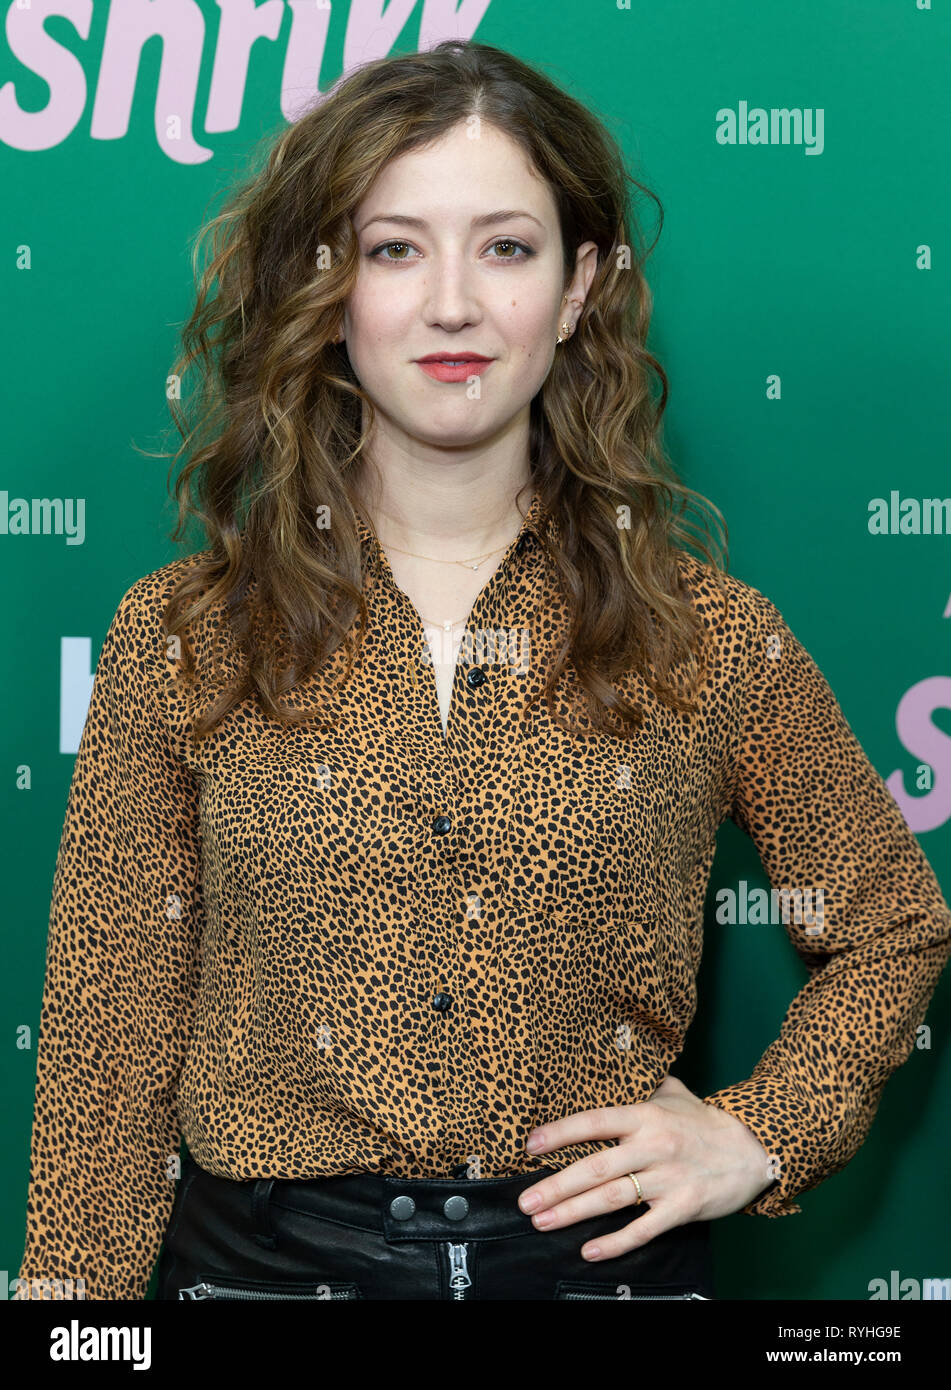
{"x": 280, "y": 418}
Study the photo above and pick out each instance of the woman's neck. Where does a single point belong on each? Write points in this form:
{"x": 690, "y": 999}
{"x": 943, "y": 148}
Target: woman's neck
{"x": 446, "y": 515}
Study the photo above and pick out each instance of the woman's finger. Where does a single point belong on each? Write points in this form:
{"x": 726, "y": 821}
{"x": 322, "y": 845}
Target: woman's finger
{"x": 663, "y": 1215}
{"x": 613, "y": 1195}
{"x": 640, "y": 1149}
{"x": 605, "y": 1122}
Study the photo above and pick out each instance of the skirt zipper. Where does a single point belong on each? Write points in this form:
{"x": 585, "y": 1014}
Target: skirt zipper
{"x": 207, "y": 1290}
{"x": 459, "y": 1279}
{"x": 641, "y": 1297}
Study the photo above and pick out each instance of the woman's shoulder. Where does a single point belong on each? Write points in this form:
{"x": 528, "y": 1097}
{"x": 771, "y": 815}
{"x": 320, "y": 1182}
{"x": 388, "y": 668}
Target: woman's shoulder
{"x": 136, "y": 629}
{"x": 724, "y": 601}
{"x": 144, "y": 601}
{"x": 153, "y": 590}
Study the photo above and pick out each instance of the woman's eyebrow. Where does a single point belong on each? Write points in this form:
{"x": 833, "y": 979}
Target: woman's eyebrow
{"x": 486, "y": 220}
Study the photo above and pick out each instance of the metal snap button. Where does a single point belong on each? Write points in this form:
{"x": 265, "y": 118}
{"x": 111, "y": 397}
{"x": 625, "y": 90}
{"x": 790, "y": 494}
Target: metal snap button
{"x": 455, "y": 1208}
{"x": 402, "y": 1208}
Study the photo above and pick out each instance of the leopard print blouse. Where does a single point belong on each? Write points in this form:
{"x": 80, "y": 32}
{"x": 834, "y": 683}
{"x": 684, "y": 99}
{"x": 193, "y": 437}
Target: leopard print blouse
{"x": 367, "y": 945}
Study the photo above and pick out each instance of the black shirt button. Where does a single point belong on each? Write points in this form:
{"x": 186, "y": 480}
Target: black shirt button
{"x": 476, "y": 677}
{"x": 442, "y": 825}
{"x": 521, "y": 545}
{"x": 441, "y": 1002}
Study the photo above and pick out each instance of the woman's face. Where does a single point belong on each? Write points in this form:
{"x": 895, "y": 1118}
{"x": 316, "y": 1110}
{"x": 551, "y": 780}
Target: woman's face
{"x": 460, "y": 252}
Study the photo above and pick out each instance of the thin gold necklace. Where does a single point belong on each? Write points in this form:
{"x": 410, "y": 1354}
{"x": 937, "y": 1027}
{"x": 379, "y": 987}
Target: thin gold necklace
{"x": 467, "y": 563}
{"x": 473, "y": 563}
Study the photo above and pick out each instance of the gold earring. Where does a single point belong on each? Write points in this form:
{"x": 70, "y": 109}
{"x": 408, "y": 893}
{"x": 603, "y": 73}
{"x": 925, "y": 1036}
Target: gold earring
{"x": 566, "y": 327}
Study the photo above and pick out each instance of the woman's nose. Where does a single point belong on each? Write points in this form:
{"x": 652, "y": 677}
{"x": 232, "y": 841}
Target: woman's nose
{"x": 451, "y": 299}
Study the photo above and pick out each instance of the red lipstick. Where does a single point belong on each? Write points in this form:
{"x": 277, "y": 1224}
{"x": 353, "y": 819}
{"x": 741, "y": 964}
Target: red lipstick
{"x": 453, "y": 366}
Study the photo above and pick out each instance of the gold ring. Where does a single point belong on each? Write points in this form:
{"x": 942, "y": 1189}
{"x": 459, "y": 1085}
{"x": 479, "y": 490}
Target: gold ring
{"x": 640, "y": 1195}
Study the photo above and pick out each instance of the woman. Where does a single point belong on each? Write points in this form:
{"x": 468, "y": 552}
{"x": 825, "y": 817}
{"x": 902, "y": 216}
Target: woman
{"x": 384, "y": 863}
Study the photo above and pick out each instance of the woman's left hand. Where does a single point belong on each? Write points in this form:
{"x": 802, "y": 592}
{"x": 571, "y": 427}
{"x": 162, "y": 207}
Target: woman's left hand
{"x": 693, "y": 1161}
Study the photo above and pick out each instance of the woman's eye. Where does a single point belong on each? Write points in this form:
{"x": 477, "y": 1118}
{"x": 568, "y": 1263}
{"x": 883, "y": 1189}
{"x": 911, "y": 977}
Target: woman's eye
{"x": 526, "y": 251}
{"x": 386, "y": 247}
{"x": 405, "y": 246}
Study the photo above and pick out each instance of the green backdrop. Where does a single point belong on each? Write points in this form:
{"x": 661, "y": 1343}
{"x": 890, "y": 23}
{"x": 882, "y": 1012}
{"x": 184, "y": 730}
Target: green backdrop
{"x": 801, "y": 300}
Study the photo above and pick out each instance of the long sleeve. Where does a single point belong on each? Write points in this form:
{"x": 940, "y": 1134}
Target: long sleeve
{"x": 822, "y": 818}
{"x": 120, "y": 988}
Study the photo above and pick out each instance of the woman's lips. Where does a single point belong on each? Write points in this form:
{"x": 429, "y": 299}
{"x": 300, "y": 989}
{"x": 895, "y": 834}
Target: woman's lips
{"x": 442, "y": 371}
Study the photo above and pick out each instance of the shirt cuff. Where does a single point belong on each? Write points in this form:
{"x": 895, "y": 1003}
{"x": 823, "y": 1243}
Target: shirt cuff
{"x": 753, "y": 1102}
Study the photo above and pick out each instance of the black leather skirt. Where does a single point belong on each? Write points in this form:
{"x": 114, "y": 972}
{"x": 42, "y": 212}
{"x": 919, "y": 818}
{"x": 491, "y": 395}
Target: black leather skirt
{"x": 369, "y": 1235}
